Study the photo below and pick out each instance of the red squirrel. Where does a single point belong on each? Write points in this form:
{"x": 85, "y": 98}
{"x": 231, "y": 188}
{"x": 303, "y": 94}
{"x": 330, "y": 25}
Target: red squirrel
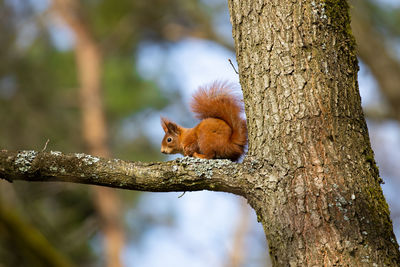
{"x": 221, "y": 133}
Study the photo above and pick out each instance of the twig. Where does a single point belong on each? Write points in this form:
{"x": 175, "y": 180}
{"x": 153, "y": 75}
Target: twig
{"x": 230, "y": 61}
{"x": 45, "y": 145}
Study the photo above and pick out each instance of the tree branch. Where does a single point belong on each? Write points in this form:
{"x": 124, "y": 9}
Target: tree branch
{"x": 183, "y": 174}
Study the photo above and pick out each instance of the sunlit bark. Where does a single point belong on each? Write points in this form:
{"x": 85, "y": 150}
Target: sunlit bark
{"x": 298, "y": 72}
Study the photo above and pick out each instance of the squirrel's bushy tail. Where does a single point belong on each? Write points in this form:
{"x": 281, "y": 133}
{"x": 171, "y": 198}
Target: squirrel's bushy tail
{"x": 219, "y": 101}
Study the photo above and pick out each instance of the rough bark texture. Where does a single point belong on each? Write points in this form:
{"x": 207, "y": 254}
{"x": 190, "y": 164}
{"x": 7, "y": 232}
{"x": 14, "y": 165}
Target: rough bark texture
{"x": 184, "y": 174}
{"x": 298, "y": 72}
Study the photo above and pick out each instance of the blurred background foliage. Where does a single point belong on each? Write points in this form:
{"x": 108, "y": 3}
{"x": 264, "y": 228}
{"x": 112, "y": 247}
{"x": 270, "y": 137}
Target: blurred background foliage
{"x": 39, "y": 101}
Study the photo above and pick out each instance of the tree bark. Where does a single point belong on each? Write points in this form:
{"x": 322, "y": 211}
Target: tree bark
{"x": 183, "y": 174}
{"x": 320, "y": 201}
{"x": 309, "y": 173}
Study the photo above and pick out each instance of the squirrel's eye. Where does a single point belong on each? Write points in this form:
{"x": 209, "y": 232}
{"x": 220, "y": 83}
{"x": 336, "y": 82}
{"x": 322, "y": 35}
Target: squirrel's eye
{"x": 169, "y": 139}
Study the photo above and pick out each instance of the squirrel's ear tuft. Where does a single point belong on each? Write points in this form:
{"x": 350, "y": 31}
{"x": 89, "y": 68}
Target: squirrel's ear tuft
{"x": 173, "y": 128}
{"x": 169, "y": 126}
{"x": 164, "y": 123}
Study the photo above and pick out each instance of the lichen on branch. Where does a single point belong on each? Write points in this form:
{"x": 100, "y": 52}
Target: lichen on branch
{"x": 182, "y": 174}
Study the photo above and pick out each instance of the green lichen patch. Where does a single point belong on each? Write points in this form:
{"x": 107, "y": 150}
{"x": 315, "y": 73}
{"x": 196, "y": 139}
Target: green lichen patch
{"x": 55, "y": 153}
{"x": 87, "y": 159}
{"x": 204, "y": 167}
{"x": 338, "y": 13}
{"x": 80, "y": 155}
{"x": 24, "y": 159}
{"x": 370, "y": 159}
{"x": 377, "y": 215}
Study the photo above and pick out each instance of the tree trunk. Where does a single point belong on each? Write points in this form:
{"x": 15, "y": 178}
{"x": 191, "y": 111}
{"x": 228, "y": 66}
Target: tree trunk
{"x": 318, "y": 191}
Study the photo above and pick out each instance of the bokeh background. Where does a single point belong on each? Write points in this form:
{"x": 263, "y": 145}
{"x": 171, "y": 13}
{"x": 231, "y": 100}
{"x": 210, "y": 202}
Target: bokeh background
{"x": 142, "y": 59}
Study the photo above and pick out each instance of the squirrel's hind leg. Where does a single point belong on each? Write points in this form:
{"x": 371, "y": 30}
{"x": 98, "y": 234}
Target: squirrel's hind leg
{"x": 202, "y": 156}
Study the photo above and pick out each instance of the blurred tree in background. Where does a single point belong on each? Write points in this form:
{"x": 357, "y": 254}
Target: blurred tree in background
{"x": 39, "y": 100}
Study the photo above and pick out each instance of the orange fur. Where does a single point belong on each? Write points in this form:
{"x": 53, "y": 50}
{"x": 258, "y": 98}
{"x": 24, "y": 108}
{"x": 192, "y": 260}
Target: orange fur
{"x": 221, "y": 134}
